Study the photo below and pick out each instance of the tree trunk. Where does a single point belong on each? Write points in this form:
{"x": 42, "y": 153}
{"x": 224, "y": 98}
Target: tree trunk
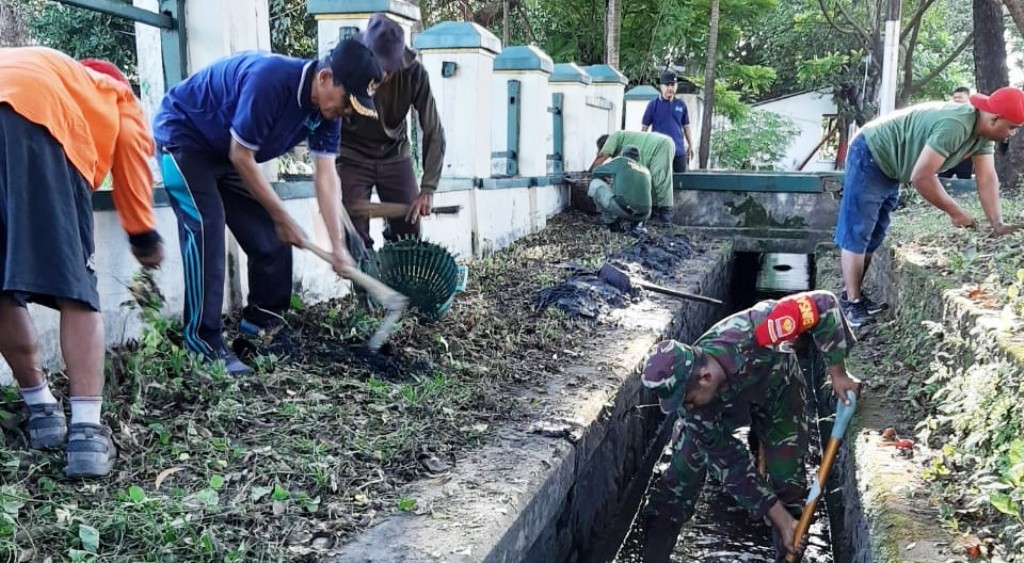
{"x": 709, "y": 87}
{"x": 1016, "y": 9}
{"x": 505, "y": 31}
{"x": 991, "y": 73}
{"x": 612, "y": 26}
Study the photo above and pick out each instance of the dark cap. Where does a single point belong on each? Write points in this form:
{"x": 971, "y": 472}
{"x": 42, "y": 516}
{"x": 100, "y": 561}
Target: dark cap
{"x": 356, "y": 69}
{"x": 668, "y": 370}
{"x": 387, "y": 40}
{"x": 668, "y": 77}
{"x": 631, "y": 152}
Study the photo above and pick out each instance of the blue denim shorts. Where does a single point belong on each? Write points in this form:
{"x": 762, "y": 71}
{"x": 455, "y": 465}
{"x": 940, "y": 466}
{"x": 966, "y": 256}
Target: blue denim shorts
{"x": 869, "y": 197}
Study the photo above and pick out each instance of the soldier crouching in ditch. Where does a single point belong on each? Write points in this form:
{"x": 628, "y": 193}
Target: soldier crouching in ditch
{"x": 742, "y": 367}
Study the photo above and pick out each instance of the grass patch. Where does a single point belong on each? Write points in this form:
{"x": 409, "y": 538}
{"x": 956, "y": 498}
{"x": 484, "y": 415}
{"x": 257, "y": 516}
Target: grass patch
{"x": 962, "y": 256}
{"x": 294, "y": 460}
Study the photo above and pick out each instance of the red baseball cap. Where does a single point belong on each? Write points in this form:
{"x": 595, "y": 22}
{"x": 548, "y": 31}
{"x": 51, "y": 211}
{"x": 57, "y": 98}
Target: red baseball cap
{"x": 107, "y": 68}
{"x": 1007, "y": 102}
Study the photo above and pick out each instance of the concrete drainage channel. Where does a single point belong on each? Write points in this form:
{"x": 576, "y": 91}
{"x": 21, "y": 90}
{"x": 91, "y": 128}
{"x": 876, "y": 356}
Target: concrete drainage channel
{"x": 569, "y": 498}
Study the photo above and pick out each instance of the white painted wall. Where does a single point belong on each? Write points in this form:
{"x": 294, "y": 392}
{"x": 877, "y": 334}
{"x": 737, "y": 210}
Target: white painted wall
{"x": 217, "y": 28}
{"x": 613, "y": 94}
{"x": 465, "y": 104}
{"x": 806, "y": 111}
{"x": 580, "y": 147}
{"x": 328, "y": 27}
{"x": 535, "y": 124}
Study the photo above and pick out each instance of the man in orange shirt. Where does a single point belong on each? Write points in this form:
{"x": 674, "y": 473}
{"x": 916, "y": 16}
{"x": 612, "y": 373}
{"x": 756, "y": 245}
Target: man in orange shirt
{"x": 64, "y": 126}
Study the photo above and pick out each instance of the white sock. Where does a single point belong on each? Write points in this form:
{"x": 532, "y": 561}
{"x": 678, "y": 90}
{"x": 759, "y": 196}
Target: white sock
{"x": 86, "y": 409}
{"x": 38, "y": 395}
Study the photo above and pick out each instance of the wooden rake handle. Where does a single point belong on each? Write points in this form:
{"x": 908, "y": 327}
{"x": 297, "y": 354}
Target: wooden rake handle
{"x": 383, "y": 294}
{"x": 395, "y": 210}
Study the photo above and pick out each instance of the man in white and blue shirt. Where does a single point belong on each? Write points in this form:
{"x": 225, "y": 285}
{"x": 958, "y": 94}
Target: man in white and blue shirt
{"x": 669, "y": 116}
{"x": 212, "y": 131}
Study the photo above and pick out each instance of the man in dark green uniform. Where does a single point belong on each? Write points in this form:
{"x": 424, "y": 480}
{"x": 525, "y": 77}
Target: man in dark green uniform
{"x": 742, "y": 369}
{"x": 621, "y": 190}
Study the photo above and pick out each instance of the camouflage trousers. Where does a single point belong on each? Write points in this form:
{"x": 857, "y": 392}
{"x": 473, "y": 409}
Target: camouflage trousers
{"x": 779, "y": 428}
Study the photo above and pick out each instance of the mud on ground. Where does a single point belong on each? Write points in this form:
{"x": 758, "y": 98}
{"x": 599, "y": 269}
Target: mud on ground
{"x": 297, "y": 458}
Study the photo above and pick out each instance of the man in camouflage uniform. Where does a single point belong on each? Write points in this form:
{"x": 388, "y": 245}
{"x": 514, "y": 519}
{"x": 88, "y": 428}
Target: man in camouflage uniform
{"x": 742, "y": 370}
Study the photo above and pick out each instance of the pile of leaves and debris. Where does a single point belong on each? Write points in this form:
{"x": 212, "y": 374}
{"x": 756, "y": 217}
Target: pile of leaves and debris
{"x": 586, "y": 294}
{"x": 295, "y": 459}
{"x": 959, "y": 396}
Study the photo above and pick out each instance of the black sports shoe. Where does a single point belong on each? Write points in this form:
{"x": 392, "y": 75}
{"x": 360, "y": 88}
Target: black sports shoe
{"x": 856, "y": 312}
{"x": 872, "y": 307}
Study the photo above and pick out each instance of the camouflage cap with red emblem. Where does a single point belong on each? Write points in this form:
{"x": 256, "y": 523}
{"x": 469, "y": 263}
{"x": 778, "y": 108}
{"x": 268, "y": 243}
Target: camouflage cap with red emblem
{"x": 667, "y": 372}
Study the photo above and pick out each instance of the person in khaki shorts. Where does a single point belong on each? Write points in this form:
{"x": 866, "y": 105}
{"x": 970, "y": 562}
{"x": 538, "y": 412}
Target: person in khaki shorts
{"x": 64, "y": 126}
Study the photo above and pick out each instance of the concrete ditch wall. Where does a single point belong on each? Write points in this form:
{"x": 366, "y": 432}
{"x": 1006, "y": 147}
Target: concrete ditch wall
{"x": 880, "y": 506}
{"x": 555, "y": 496}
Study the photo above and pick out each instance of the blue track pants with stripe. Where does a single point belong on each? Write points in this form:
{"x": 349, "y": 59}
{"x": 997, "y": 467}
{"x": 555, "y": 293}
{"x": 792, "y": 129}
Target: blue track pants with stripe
{"x": 206, "y": 194}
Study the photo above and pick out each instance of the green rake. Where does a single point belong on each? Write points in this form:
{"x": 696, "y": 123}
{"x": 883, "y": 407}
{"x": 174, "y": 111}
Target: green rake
{"x": 424, "y": 272}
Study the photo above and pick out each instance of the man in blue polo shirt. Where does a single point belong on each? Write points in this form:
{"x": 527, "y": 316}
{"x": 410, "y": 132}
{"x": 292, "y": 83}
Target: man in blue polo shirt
{"x": 668, "y": 116}
{"x": 213, "y": 129}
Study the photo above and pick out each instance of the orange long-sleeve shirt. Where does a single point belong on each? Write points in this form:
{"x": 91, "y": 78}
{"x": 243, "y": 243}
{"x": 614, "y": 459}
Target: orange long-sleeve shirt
{"x": 95, "y": 118}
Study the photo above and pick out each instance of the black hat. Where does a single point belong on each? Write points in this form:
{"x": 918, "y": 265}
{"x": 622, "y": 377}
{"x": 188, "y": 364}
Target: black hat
{"x": 631, "y": 152}
{"x": 387, "y": 40}
{"x": 357, "y": 70}
{"x": 668, "y": 77}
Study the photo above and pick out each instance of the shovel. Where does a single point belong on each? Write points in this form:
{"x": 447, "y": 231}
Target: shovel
{"x": 623, "y": 282}
{"x": 844, "y": 413}
{"x": 390, "y": 299}
{"x": 395, "y": 210}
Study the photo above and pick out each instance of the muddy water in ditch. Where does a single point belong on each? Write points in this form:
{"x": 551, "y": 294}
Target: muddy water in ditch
{"x": 721, "y": 531}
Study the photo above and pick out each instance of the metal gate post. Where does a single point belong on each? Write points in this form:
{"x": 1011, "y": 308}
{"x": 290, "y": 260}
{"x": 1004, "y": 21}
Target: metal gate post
{"x": 556, "y": 160}
{"x": 506, "y": 164}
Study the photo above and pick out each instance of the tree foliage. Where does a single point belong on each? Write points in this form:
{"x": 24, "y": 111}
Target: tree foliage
{"x": 756, "y": 141}
{"x": 81, "y": 33}
{"x": 838, "y": 45}
{"x": 292, "y": 31}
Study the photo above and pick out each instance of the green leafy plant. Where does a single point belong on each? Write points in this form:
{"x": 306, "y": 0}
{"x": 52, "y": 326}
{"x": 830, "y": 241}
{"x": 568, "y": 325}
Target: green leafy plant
{"x": 757, "y": 140}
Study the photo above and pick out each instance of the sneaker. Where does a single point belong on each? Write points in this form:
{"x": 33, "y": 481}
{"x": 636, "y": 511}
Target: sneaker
{"x": 274, "y": 337}
{"x": 91, "y": 451}
{"x": 661, "y": 215}
{"x": 47, "y": 426}
{"x": 232, "y": 364}
{"x": 872, "y": 307}
{"x": 856, "y": 312}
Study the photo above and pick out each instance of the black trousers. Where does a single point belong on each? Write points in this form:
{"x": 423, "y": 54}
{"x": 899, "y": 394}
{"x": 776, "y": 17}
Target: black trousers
{"x": 679, "y": 163}
{"x": 964, "y": 170}
{"x": 207, "y": 194}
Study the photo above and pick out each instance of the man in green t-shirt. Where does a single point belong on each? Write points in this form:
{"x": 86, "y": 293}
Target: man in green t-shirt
{"x": 656, "y": 153}
{"x": 621, "y": 189}
{"x": 912, "y": 146}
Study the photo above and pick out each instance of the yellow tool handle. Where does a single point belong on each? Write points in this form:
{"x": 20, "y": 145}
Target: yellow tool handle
{"x": 805, "y": 519}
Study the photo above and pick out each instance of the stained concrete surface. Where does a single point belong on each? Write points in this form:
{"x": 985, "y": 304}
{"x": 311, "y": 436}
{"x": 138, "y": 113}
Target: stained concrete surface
{"x": 533, "y": 497}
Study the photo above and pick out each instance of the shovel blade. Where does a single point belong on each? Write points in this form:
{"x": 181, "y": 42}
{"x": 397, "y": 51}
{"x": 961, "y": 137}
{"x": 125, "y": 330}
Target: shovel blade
{"x": 615, "y": 277}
